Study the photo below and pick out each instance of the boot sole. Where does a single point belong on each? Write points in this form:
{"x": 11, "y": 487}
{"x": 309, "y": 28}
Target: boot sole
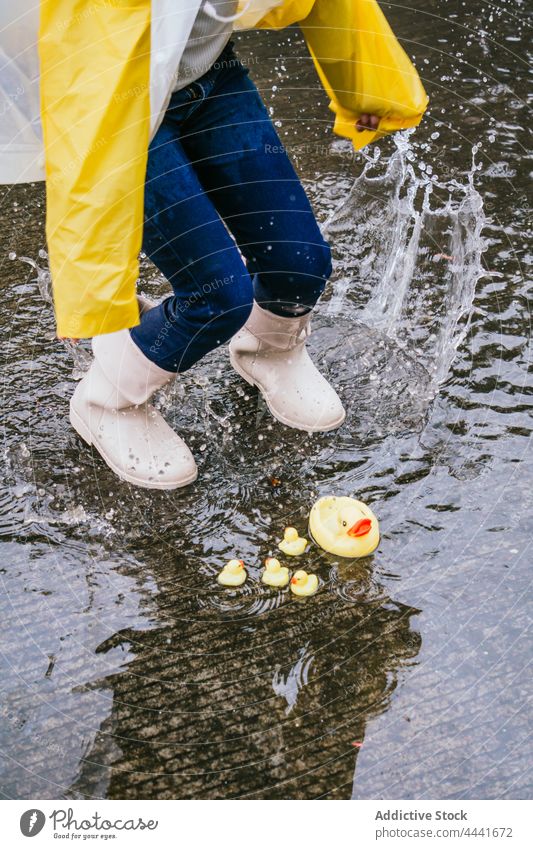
{"x": 273, "y": 412}
{"x": 84, "y": 432}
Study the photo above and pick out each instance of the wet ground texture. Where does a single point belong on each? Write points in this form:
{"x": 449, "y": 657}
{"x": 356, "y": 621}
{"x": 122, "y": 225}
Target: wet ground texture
{"x": 127, "y": 672}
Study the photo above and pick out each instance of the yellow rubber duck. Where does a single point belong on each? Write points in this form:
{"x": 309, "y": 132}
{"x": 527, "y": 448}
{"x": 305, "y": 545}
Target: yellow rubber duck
{"x": 292, "y": 544}
{"x": 304, "y": 584}
{"x": 233, "y": 574}
{"x": 275, "y": 575}
{"x": 344, "y": 526}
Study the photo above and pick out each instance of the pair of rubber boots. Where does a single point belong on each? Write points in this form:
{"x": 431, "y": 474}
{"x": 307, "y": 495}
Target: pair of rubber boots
{"x": 110, "y": 408}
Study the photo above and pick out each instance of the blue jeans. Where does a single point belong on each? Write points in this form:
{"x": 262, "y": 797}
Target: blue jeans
{"x": 226, "y": 220}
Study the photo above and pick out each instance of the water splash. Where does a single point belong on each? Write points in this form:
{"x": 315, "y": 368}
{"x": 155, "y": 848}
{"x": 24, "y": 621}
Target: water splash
{"x": 81, "y": 358}
{"x": 415, "y": 241}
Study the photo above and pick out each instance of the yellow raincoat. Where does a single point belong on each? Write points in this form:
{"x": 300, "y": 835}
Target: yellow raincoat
{"x": 106, "y": 74}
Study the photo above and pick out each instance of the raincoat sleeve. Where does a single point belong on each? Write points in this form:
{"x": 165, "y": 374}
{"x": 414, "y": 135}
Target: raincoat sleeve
{"x": 272, "y": 14}
{"x": 95, "y": 107}
{"x": 363, "y": 68}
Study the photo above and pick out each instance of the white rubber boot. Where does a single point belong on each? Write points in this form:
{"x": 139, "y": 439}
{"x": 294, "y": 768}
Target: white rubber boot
{"x": 269, "y": 352}
{"x": 109, "y": 410}
{"x": 145, "y": 304}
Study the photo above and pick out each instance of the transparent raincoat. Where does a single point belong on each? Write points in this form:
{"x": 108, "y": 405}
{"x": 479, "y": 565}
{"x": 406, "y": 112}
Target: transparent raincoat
{"x": 84, "y": 85}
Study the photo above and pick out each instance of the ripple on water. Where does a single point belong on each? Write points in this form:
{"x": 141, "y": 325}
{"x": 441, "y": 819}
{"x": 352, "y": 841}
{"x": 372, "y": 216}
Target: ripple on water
{"x": 249, "y": 601}
{"x": 354, "y": 582}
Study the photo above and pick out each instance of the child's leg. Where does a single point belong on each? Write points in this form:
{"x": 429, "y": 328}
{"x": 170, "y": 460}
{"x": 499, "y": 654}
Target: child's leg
{"x": 185, "y": 238}
{"x": 251, "y": 181}
{"x": 249, "y": 178}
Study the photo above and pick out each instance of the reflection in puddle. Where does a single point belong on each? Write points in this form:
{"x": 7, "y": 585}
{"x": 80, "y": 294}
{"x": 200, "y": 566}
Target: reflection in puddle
{"x": 230, "y": 708}
{"x": 288, "y": 686}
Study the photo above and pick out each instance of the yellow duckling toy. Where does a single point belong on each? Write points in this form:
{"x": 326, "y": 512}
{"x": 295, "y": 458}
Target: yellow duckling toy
{"x": 304, "y": 584}
{"x": 275, "y": 575}
{"x": 233, "y": 574}
{"x": 344, "y": 526}
{"x": 292, "y": 544}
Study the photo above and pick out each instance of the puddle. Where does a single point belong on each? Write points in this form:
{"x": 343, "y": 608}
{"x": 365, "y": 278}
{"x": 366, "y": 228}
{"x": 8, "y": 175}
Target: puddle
{"x": 127, "y": 671}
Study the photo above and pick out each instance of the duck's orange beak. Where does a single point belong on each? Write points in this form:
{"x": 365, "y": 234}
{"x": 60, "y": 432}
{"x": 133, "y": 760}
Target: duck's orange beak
{"x": 360, "y": 529}
{"x": 294, "y": 581}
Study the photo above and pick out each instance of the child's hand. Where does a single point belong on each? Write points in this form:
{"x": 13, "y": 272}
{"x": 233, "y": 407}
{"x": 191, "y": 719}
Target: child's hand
{"x": 367, "y": 122}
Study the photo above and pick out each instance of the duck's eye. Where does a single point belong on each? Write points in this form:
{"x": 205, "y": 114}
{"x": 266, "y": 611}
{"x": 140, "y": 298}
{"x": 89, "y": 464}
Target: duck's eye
{"x": 344, "y": 524}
